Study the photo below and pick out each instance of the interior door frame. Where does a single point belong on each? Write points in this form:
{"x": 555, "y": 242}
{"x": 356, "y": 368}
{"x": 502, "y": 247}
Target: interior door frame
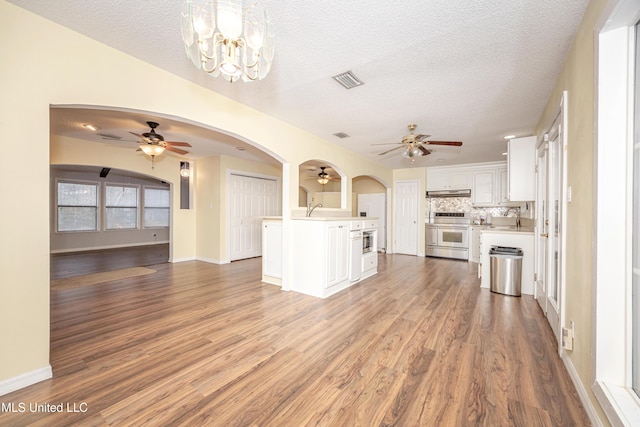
{"x": 557, "y": 318}
{"x": 395, "y": 210}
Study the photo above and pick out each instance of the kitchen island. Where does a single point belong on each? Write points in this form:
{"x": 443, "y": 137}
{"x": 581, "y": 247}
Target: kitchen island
{"x": 328, "y": 254}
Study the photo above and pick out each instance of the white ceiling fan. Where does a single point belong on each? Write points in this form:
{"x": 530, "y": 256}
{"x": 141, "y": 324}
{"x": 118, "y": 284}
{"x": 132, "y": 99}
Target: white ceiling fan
{"x": 414, "y": 144}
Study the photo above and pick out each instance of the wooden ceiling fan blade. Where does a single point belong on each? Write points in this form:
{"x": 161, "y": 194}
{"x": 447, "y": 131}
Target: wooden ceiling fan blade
{"x": 176, "y": 150}
{"x": 425, "y": 152}
{"x": 387, "y": 143}
{"x": 178, "y": 144}
{"x": 388, "y": 151}
{"x": 450, "y": 143}
{"x": 138, "y": 135}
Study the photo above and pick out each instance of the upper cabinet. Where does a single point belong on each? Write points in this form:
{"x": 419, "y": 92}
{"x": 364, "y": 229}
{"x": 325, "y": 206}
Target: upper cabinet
{"x": 448, "y": 179}
{"x": 490, "y": 185}
{"x": 522, "y": 169}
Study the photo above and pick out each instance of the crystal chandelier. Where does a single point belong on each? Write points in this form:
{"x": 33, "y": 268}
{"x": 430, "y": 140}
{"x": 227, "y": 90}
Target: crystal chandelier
{"x": 223, "y": 37}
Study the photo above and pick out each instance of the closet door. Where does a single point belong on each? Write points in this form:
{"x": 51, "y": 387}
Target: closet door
{"x": 250, "y": 199}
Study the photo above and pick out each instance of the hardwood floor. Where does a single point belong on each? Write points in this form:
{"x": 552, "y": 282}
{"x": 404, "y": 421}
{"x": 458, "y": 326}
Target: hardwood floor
{"x": 419, "y": 344}
{"x": 70, "y": 264}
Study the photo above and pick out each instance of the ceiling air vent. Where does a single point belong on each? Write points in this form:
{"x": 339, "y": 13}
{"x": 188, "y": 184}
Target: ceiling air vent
{"x": 341, "y": 135}
{"x": 348, "y": 80}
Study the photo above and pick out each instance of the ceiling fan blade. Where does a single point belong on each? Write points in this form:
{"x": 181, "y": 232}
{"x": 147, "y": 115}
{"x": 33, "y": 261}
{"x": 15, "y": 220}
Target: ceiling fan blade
{"x": 420, "y": 137}
{"x": 425, "y": 152}
{"x": 388, "y": 143}
{"x": 451, "y": 143}
{"x": 388, "y": 151}
{"x": 138, "y": 135}
{"x": 176, "y": 150}
{"x": 178, "y": 144}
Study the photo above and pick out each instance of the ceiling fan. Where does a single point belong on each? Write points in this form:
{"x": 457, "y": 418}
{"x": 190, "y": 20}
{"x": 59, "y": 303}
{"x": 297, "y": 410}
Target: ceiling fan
{"x": 413, "y": 144}
{"x": 153, "y": 143}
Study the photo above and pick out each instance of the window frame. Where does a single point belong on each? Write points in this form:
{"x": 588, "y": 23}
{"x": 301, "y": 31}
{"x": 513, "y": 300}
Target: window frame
{"x": 106, "y": 207}
{"x": 612, "y": 343}
{"x": 57, "y": 204}
{"x": 144, "y": 207}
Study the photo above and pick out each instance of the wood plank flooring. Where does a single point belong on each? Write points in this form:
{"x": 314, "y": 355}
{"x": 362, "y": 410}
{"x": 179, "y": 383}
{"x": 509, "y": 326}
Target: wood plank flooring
{"x": 419, "y": 344}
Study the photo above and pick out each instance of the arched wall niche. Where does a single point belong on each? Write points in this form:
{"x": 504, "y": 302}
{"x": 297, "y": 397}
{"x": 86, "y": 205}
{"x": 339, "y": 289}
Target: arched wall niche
{"x": 331, "y": 195}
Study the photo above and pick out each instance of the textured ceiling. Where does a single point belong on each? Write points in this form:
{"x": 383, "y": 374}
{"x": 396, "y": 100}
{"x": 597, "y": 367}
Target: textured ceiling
{"x": 470, "y": 71}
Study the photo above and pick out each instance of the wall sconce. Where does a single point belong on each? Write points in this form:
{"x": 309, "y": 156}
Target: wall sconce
{"x": 185, "y": 172}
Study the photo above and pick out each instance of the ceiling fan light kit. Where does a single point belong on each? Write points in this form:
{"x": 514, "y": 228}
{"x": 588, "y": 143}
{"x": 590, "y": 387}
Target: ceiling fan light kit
{"x": 153, "y": 144}
{"x": 323, "y": 177}
{"x": 224, "y": 37}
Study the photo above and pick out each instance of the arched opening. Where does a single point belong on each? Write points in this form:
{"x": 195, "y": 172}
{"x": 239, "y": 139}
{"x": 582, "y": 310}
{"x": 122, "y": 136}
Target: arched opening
{"x": 372, "y": 197}
{"x": 324, "y": 194}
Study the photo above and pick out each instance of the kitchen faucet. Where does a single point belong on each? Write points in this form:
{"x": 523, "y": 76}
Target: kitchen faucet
{"x": 311, "y": 209}
{"x": 517, "y": 211}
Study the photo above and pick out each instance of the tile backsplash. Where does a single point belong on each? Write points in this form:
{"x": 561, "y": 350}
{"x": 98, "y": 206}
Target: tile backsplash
{"x": 463, "y": 204}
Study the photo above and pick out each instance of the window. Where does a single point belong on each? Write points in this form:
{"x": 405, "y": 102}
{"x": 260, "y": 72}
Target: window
{"x": 156, "y": 207}
{"x": 77, "y": 206}
{"x": 121, "y": 207}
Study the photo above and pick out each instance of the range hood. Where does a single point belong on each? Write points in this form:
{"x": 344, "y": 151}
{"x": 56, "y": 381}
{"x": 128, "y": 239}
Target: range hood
{"x": 449, "y": 193}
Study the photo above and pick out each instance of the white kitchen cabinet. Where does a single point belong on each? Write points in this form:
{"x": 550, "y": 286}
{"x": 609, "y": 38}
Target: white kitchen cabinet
{"x": 483, "y": 191}
{"x": 490, "y": 185}
{"x": 272, "y": 251}
{"x": 320, "y": 256}
{"x": 337, "y": 251}
{"x": 522, "y": 169}
{"x": 448, "y": 179}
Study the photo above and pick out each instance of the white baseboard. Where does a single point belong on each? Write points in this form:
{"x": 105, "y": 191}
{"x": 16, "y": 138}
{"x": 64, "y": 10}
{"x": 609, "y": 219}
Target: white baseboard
{"x": 211, "y": 260}
{"x": 582, "y": 391}
{"x": 25, "y": 380}
{"x": 177, "y": 260}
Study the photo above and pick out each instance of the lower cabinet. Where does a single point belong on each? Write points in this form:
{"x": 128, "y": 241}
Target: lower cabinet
{"x": 369, "y": 264}
{"x": 337, "y": 251}
{"x": 320, "y": 253}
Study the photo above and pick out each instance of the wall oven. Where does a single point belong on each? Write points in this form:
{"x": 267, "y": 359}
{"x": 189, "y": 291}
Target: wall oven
{"x": 448, "y": 236}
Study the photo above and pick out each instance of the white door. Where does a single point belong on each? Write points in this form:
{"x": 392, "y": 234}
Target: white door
{"x": 406, "y": 217}
{"x": 549, "y": 254}
{"x": 250, "y": 199}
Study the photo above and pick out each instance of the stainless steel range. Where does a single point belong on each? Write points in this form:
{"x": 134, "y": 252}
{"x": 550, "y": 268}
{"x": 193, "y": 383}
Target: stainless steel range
{"x": 448, "y": 236}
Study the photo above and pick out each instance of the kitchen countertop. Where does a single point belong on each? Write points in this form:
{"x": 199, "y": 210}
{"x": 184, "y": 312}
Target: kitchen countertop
{"x": 510, "y": 229}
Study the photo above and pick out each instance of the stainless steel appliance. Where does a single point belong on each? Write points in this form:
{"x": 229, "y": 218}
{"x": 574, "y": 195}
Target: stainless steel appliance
{"x": 368, "y": 240}
{"x": 448, "y": 236}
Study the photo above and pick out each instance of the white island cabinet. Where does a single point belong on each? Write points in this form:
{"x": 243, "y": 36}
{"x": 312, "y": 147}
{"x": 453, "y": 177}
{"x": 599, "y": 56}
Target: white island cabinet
{"x": 320, "y": 255}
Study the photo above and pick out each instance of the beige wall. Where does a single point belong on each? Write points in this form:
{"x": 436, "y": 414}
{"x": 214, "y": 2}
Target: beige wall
{"x": 75, "y": 70}
{"x": 577, "y": 78}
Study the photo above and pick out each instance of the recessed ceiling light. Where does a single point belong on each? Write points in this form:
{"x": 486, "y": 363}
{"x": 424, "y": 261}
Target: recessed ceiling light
{"x": 509, "y": 137}
{"x": 90, "y": 127}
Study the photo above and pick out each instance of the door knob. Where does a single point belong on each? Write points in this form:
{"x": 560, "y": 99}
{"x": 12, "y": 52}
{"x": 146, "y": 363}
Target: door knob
{"x": 544, "y": 234}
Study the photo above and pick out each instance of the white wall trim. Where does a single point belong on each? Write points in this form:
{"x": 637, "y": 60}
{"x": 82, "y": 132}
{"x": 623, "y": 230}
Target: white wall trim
{"x": 211, "y": 260}
{"x": 582, "y": 391}
{"x": 24, "y": 380}
{"x": 177, "y": 260}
